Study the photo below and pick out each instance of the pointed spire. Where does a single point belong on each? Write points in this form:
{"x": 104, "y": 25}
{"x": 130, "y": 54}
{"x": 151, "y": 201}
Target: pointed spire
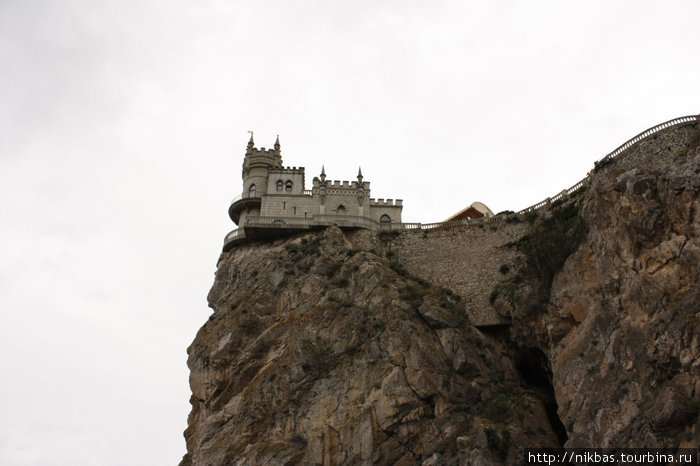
{"x": 359, "y": 175}
{"x": 277, "y": 151}
{"x": 251, "y": 142}
{"x": 323, "y": 173}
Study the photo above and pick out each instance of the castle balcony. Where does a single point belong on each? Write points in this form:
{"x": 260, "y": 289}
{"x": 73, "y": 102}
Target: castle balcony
{"x": 234, "y": 237}
{"x": 343, "y": 221}
{"x": 243, "y": 201}
{"x": 274, "y": 227}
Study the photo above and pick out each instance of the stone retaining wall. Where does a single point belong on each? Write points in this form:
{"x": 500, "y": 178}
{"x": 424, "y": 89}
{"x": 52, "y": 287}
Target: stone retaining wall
{"x": 466, "y": 260}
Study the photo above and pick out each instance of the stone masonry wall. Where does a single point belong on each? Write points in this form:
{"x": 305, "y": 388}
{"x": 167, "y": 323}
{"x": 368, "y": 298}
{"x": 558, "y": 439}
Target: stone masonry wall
{"x": 283, "y": 206}
{"x": 667, "y": 144}
{"x": 467, "y": 260}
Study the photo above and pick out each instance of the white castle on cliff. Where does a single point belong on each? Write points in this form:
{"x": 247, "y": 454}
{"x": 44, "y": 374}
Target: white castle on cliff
{"x": 274, "y": 197}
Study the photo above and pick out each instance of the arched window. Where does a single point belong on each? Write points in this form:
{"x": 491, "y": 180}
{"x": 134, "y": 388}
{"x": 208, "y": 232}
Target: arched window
{"x": 288, "y": 186}
{"x": 280, "y": 185}
{"x": 340, "y": 210}
{"x": 385, "y": 222}
{"x": 252, "y": 190}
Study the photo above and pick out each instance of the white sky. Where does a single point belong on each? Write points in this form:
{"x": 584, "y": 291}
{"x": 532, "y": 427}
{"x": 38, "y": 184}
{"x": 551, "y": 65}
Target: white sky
{"x": 122, "y": 132}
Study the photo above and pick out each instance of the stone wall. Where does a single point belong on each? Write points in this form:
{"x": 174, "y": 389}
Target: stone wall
{"x": 667, "y": 145}
{"x": 467, "y": 260}
{"x": 295, "y": 175}
{"x": 283, "y": 206}
{"x": 388, "y": 207}
{"x": 345, "y": 197}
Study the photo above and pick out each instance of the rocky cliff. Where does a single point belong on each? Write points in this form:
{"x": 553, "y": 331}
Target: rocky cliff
{"x": 341, "y": 348}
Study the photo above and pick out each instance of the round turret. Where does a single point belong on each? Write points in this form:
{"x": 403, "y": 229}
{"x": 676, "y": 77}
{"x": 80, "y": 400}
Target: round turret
{"x": 256, "y": 164}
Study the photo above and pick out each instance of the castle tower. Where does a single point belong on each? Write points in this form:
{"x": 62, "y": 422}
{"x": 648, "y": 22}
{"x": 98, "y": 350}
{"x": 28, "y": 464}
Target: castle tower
{"x": 255, "y": 167}
{"x": 255, "y": 173}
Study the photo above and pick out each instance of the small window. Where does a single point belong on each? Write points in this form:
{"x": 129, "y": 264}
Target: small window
{"x": 288, "y": 187}
{"x": 280, "y": 185}
{"x": 340, "y": 210}
{"x": 252, "y": 190}
{"x": 385, "y": 222}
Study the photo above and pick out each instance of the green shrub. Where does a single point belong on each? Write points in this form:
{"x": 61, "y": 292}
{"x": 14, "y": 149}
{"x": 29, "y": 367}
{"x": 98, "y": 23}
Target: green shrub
{"x": 387, "y": 235}
{"x": 551, "y": 241}
{"x": 412, "y": 294}
{"x": 318, "y": 358}
{"x": 496, "y": 408}
{"x": 494, "y": 296}
{"x": 498, "y": 441}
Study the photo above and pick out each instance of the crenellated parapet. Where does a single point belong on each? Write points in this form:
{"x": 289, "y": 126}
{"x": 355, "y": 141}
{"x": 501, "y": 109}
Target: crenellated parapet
{"x": 260, "y": 159}
{"x": 287, "y": 170}
{"x": 386, "y": 202}
{"x": 337, "y": 184}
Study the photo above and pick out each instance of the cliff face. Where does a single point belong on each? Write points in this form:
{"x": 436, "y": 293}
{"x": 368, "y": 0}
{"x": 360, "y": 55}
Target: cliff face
{"x": 622, "y": 323}
{"x": 321, "y": 352}
{"x": 342, "y": 348}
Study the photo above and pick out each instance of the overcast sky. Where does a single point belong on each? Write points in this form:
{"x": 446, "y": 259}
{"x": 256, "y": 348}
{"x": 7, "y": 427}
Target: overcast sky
{"x": 122, "y": 132}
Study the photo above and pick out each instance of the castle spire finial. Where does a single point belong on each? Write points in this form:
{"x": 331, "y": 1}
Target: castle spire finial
{"x": 359, "y": 175}
{"x": 251, "y": 142}
{"x": 323, "y": 173}
{"x": 277, "y": 142}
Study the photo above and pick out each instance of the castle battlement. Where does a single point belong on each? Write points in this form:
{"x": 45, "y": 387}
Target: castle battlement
{"x": 386, "y": 202}
{"x": 261, "y": 151}
{"x": 343, "y": 184}
{"x": 282, "y": 170}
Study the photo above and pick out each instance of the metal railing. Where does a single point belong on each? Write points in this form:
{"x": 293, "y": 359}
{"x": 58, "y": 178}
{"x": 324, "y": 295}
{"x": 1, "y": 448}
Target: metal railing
{"x": 238, "y": 233}
{"x": 288, "y": 222}
{"x": 646, "y": 134}
{"x": 609, "y": 157}
{"x": 316, "y": 220}
{"x": 248, "y": 195}
{"x": 257, "y": 195}
{"x": 346, "y": 220}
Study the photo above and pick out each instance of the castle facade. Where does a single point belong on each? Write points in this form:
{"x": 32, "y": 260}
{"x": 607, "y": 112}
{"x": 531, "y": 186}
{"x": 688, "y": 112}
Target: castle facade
{"x": 275, "y": 195}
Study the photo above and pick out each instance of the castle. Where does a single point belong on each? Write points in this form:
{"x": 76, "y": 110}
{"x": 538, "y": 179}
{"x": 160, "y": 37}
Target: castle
{"x": 274, "y": 197}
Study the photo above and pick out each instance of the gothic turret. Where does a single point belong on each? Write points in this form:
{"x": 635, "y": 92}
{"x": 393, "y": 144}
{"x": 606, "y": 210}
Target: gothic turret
{"x": 256, "y": 165}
